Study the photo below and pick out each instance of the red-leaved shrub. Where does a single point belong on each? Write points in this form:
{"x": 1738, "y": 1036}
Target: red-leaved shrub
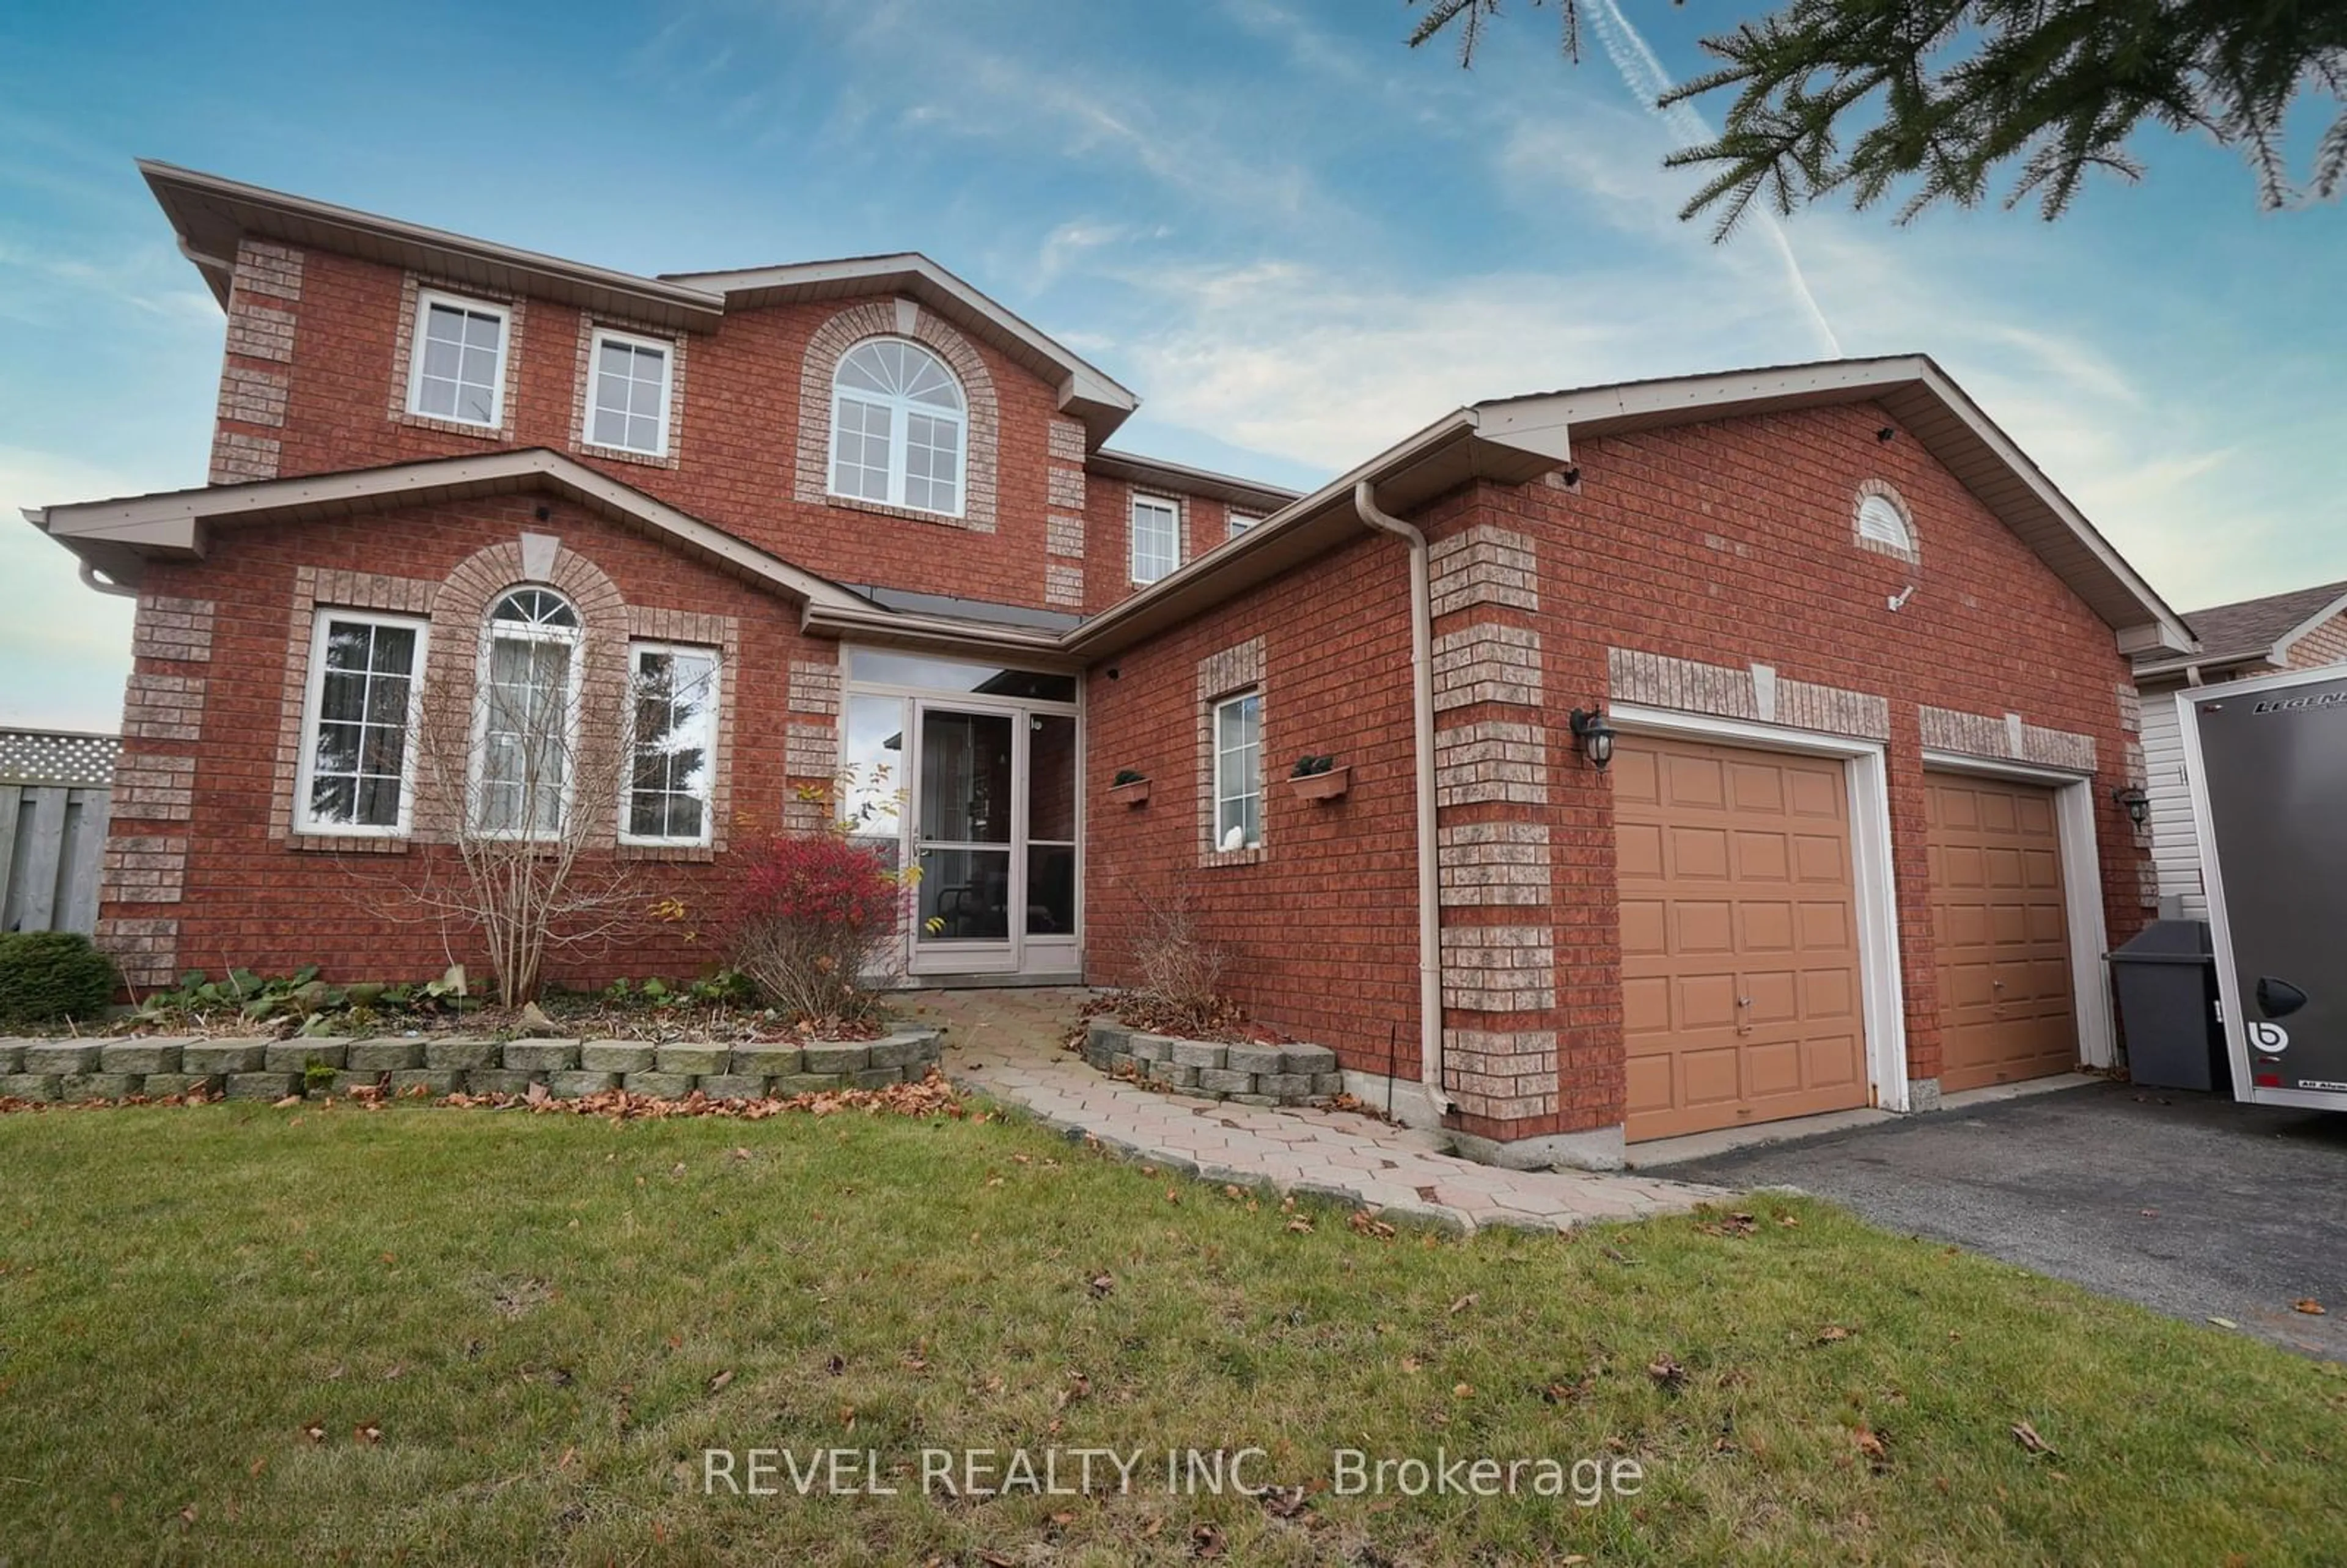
{"x": 809, "y": 919}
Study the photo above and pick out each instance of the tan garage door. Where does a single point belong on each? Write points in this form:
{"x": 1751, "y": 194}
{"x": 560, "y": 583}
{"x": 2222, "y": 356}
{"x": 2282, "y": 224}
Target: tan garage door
{"x": 2003, "y": 932}
{"x": 1740, "y": 995}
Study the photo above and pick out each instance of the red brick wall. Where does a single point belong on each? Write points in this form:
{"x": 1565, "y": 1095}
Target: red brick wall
{"x": 1108, "y": 534}
{"x": 251, "y": 900}
{"x": 1725, "y": 544}
{"x": 2326, "y": 644}
{"x": 736, "y": 442}
{"x": 1322, "y": 932}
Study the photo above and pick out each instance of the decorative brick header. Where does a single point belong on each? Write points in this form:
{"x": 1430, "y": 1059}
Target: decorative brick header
{"x": 1487, "y": 663}
{"x": 1484, "y": 565}
{"x": 2006, "y": 737}
{"x": 176, "y": 629}
{"x": 1756, "y": 693}
{"x": 982, "y": 438}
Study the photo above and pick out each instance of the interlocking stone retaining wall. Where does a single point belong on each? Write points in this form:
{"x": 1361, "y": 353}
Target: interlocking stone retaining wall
{"x": 154, "y": 1067}
{"x": 1250, "y": 1074}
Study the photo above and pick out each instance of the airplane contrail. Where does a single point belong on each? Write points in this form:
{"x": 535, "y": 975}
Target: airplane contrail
{"x": 1642, "y": 72}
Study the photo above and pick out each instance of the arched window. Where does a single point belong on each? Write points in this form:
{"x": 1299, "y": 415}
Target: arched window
{"x": 526, "y": 720}
{"x": 1882, "y": 521}
{"x": 898, "y": 427}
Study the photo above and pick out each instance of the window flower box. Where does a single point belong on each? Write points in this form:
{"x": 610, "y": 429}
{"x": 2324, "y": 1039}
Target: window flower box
{"x": 1133, "y": 792}
{"x": 1329, "y": 783}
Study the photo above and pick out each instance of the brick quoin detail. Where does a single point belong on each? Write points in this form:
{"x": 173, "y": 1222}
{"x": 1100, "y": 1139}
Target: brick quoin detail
{"x": 1484, "y": 565}
{"x": 814, "y": 687}
{"x": 143, "y": 868}
{"x": 238, "y": 458}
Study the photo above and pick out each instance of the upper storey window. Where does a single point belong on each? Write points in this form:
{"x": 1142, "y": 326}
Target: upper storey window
{"x": 898, "y": 427}
{"x": 459, "y": 364}
{"x": 631, "y": 400}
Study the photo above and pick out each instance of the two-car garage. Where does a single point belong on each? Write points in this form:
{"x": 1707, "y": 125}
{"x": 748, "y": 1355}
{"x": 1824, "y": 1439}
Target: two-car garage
{"x": 1744, "y": 877}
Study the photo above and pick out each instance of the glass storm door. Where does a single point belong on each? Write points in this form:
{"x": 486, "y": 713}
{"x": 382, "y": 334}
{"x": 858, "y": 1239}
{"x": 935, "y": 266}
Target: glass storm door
{"x": 966, "y": 836}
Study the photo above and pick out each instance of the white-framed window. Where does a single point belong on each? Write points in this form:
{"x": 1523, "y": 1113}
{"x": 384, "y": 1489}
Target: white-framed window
{"x": 671, "y": 745}
{"x": 1156, "y": 538}
{"x": 627, "y": 403}
{"x": 1241, "y": 522}
{"x": 1882, "y": 520}
{"x": 525, "y": 715}
{"x": 1238, "y": 772}
{"x": 899, "y": 427}
{"x": 457, "y": 361}
{"x": 357, "y": 771}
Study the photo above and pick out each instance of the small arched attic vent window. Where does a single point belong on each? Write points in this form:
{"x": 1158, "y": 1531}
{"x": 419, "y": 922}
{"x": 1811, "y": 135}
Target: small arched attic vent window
{"x": 1884, "y": 522}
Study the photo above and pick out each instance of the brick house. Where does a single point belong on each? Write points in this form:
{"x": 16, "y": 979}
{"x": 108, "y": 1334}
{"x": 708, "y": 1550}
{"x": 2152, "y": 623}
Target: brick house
{"x": 1702, "y": 751}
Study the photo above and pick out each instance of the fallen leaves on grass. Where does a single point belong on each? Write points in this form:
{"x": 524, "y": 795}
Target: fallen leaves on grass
{"x": 717, "y": 1384}
{"x": 367, "y": 1432}
{"x": 1832, "y": 1333}
{"x": 1871, "y": 1444}
{"x": 1666, "y": 1370}
{"x": 932, "y": 1096}
{"x": 1207, "y": 1541}
{"x": 1366, "y": 1224}
{"x": 1463, "y": 1303}
{"x": 2026, "y": 1436}
{"x": 1728, "y": 1224}
{"x": 1102, "y": 1284}
{"x": 316, "y": 1431}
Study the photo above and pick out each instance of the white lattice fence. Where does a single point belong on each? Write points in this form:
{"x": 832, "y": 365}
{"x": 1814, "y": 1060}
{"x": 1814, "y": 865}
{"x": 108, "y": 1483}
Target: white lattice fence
{"x": 53, "y": 794}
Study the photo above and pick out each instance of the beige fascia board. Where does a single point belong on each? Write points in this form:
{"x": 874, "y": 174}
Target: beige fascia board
{"x": 172, "y": 524}
{"x": 1647, "y": 404}
{"x": 1134, "y": 469}
{"x": 872, "y": 625}
{"x": 1452, "y": 451}
{"x": 208, "y": 207}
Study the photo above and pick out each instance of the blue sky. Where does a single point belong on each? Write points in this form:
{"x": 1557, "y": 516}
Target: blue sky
{"x": 1296, "y": 238}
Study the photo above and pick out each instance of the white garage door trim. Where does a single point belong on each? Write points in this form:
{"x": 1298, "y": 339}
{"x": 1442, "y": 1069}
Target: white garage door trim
{"x": 1883, "y": 1001}
{"x": 2082, "y": 891}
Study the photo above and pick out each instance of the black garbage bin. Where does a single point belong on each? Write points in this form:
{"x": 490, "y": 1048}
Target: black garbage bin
{"x": 2167, "y": 982}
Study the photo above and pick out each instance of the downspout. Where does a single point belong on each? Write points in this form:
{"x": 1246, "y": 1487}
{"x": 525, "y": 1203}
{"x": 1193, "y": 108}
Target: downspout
{"x": 1430, "y": 881}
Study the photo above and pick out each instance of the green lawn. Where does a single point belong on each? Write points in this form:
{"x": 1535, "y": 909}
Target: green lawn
{"x": 548, "y": 1319}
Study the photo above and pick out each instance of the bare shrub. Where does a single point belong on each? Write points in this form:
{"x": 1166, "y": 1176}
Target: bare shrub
{"x": 1181, "y": 971}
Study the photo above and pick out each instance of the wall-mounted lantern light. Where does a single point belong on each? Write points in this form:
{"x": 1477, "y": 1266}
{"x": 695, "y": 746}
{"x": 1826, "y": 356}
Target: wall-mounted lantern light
{"x": 1595, "y": 735}
{"x": 2133, "y": 801}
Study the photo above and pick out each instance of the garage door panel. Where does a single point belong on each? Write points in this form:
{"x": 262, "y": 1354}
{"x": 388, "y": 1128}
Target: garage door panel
{"x": 1645, "y": 1008}
{"x": 1644, "y": 927}
{"x": 1762, "y": 857}
{"x": 1704, "y": 1002}
{"x": 1638, "y": 851}
{"x": 1765, "y": 927}
{"x": 1699, "y": 854}
{"x": 2002, "y": 934}
{"x": 1694, "y": 781}
{"x": 1828, "y": 994}
{"x": 1826, "y": 928}
{"x": 1761, "y": 968}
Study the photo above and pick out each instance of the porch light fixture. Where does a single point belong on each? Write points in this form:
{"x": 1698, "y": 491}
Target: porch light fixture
{"x": 2137, "y": 805}
{"x": 1595, "y": 735}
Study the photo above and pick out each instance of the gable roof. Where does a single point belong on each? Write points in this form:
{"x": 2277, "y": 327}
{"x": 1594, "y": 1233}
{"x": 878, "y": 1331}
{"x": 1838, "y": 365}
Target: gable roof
{"x": 118, "y": 536}
{"x": 210, "y": 214}
{"x": 1513, "y": 439}
{"x": 2253, "y": 630}
{"x": 1086, "y": 391}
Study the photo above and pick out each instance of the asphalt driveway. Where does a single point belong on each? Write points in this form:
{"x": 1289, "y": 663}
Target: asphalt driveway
{"x": 2188, "y": 1203}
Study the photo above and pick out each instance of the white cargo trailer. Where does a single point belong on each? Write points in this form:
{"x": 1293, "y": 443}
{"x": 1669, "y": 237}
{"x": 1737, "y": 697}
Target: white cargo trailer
{"x": 2268, "y": 763}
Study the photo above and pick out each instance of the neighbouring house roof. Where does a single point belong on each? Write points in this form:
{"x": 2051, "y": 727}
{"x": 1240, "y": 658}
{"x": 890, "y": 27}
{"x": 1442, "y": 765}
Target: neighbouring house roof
{"x": 2251, "y": 631}
{"x": 1513, "y": 439}
{"x": 210, "y": 214}
{"x": 119, "y": 537}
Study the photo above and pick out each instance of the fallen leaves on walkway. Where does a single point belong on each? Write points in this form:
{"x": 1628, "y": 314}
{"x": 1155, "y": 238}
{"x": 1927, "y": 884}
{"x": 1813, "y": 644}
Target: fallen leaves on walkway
{"x": 2308, "y": 1306}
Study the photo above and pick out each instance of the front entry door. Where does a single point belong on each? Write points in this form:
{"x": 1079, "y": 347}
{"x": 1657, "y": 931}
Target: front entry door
{"x": 966, "y": 829}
